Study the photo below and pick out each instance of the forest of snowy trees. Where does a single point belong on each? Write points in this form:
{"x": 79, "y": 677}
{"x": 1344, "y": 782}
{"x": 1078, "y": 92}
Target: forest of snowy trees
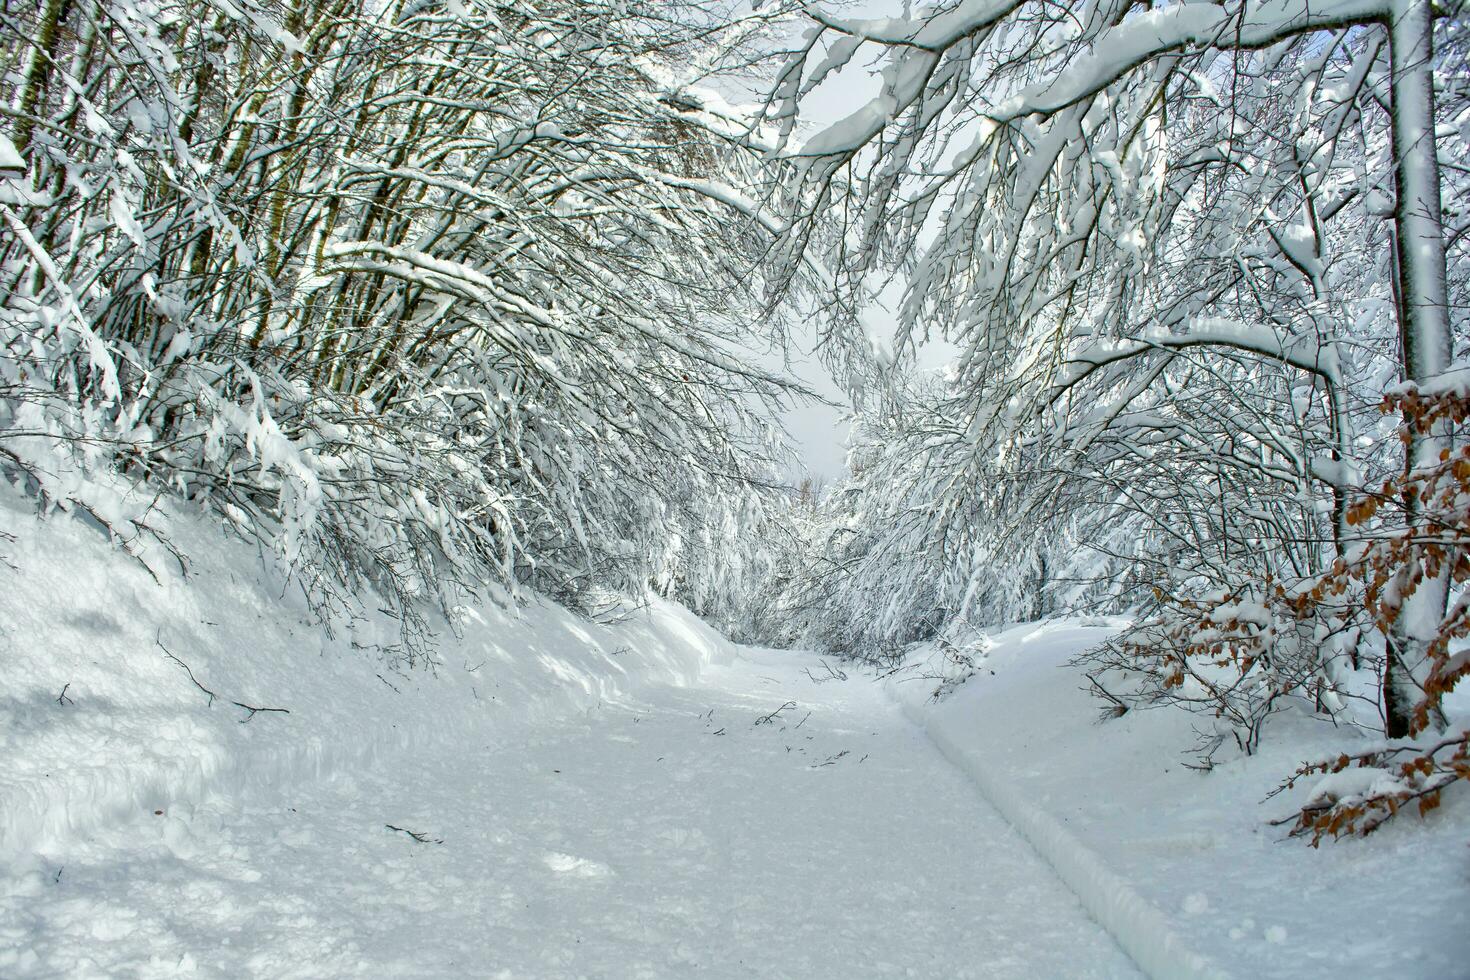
{"x": 450, "y": 298}
{"x": 425, "y": 295}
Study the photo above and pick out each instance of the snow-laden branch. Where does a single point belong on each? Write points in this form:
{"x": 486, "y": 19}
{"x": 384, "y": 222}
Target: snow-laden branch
{"x": 1103, "y": 57}
{"x": 1304, "y": 353}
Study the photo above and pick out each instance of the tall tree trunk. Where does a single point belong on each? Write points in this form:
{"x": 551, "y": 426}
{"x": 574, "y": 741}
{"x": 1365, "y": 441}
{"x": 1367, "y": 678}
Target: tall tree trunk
{"x": 1424, "y": 325}
{"x": 38, "y": 71}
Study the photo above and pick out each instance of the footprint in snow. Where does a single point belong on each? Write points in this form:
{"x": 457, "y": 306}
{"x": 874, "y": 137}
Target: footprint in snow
{"x": 576, "y": 867}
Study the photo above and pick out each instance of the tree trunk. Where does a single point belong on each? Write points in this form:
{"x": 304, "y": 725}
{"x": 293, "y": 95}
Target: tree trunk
{"x": 38, "y": 71}
{"x": 1424, "y": 326}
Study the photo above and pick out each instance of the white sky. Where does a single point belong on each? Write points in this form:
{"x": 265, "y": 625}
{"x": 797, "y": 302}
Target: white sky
{"x": 819, "y": 432}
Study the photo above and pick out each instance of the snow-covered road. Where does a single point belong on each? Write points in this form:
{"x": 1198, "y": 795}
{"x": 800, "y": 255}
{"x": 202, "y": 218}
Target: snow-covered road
{"x": 669, "y": 837}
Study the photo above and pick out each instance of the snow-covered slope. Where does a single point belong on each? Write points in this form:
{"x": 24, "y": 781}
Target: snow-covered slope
{"x": 1183, "y": 866}
{"x": 100, "y": 718}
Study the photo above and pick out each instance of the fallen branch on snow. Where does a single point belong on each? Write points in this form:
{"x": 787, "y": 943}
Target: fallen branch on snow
{"x": 252, "y": 709}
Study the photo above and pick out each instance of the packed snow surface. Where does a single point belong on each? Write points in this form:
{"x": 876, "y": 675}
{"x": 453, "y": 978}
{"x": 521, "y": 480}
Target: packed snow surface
{"x": 638, "y": 799}
{"x": 630, "y": 841}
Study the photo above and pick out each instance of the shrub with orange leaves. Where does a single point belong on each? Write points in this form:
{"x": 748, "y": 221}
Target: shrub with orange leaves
{"x": 1241, "y": 654}
{"x": 1357, "y": 793}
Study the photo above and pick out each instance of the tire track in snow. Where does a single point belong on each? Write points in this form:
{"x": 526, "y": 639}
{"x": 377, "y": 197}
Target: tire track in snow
{"x": 1136, "y": 924}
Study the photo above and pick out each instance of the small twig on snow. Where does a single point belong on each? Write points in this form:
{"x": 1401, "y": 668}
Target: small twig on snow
{"x": 212, "y": 696}
{"x": 1117, "y": 708}
{"x": 252, "y": 709}
{"x": 832, "y": 674}
{"x": 255, "y": 711}
{"x": 62, "y": 699}
{"x": 421, "y": 838}
{"x": 767, "y": 719}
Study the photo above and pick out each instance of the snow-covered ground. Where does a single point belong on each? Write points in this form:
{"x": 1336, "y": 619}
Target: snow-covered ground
{"x": 594, "y": 800}
{"x": 636, "y": 798}
{"x": 1184, "y": 865}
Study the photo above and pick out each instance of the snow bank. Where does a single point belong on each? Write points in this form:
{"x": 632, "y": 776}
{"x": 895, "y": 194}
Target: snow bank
{"x": 1182, "y": 867}
{"x": 103, "y": 712}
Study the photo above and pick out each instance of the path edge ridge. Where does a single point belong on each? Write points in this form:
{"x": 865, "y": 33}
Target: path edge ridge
{"x": 1138, "y": 926}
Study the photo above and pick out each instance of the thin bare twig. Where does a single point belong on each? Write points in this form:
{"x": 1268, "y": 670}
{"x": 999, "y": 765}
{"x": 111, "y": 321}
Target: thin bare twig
{"x": 250, "y": 708}
{"x": 832, "y": 674}
{"x": 421, "y": 838}
{"x": 767, "y": 719}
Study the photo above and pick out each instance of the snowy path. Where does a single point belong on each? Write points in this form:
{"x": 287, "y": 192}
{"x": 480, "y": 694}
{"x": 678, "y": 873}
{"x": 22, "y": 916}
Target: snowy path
{"x": 669, "y": 838}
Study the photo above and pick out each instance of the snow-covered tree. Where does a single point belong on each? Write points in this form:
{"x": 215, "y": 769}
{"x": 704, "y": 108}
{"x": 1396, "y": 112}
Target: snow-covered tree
{"x": 1183, "y": 250}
